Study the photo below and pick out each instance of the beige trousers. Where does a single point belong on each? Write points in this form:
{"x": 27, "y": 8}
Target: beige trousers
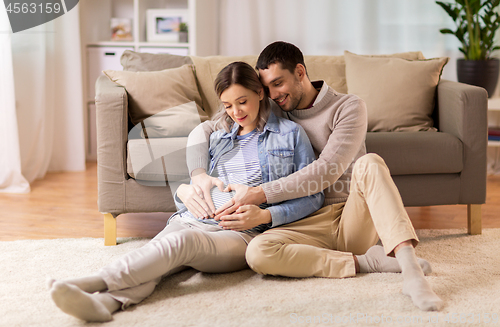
{"x": 323, "y": 243}
{"x": 183, "y": 243}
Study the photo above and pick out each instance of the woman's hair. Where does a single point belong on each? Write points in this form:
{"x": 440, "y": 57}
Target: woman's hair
{"x": 243, "y": 74}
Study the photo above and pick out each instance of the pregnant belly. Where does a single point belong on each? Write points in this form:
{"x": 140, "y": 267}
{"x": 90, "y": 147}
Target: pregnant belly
{"x": 219, "y": 198}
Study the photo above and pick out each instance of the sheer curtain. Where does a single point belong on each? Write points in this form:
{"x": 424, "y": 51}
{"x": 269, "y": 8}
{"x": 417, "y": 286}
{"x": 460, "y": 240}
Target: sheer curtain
{"x": 328, "y": 27}
{"x": 11, "y": 179}
{"x": 48, "y": 91}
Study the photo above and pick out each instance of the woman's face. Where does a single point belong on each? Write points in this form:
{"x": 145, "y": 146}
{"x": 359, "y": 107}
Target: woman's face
{"x": 242, "y": 105}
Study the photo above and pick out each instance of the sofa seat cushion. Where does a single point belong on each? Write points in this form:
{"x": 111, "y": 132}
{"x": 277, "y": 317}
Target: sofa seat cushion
{"x": 410, "y": 153}
{"x": 157, "y": 159}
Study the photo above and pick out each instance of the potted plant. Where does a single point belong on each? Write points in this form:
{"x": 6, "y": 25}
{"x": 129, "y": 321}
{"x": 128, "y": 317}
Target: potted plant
{"x": 476, "y": 24}
{"x": 183, "y": 32}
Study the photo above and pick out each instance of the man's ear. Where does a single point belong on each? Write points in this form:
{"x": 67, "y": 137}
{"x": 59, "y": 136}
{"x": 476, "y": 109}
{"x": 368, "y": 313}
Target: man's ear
{"x": 300, "y": 70}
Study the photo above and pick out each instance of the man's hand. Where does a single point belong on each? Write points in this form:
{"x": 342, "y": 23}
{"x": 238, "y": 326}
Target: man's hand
{"x": 246, "y": 217}
{"x": 202, "y": 184}
{"x": 244, "y": 195}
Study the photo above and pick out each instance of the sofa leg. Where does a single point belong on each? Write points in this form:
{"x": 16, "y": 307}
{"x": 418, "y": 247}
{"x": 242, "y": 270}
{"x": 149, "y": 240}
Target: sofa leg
{"x": 474, "y": 219}
{"x": 109, "y": 229}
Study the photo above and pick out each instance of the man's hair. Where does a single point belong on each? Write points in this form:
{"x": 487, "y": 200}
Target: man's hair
{"x": 243, "y": 74}
{"x": 287, "y": 54}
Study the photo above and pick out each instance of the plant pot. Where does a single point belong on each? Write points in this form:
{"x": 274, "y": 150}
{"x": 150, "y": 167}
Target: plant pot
{"x": 183, "y": 37}
{"x": 483, "y": 73}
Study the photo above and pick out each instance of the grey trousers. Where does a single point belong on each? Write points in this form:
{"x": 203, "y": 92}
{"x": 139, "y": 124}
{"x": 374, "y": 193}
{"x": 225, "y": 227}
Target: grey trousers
{"x": 183, "y": 243}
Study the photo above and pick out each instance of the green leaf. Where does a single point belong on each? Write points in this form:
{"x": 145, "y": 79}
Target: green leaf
{"x": 449, "y": 9}
{"x": 446, "y": 31}
{"x": 464, "y": 52}
{"x": 477, "y": 22}
{"x": 460, "y": 34}
{"x": 493, "y": 3}
{"x": 475, "y": 6}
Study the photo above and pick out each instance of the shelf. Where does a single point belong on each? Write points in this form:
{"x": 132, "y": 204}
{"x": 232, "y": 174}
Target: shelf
{"x": 163, "y": 45}
{"x": 137, "y": 44}
{"x": 101, "y": 53}
{"x": 96, "y": 16}
{"x": 112, "y": 44}
{"x": 494, "y": 104}
{"x": 494, "y": 143}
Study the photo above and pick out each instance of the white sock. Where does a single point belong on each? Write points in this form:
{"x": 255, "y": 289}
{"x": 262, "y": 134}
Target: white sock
{"x": 375, "y": 260}
{"x": 73, "y": 301}
{"x": 414, "y": 284}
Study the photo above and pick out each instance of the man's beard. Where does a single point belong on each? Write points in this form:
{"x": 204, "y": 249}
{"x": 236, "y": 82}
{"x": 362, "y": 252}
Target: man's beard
{"x": 293, "y": 102}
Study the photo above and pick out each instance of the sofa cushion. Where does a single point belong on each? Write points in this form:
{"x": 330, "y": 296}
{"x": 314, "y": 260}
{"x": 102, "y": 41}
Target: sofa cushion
{"x": 331, "y": 69}
{"x": 160, "y": 159}
{"x": 412, "y": 153}
{"x": 144, "y": 62}
{"x": 399, "y": 93}
{"x": 150, "y": 93}
{"x": 175, "y": 122}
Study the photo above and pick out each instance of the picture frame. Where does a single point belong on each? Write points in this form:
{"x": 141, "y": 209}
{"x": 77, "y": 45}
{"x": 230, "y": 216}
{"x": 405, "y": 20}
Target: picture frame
{"x": 121, "y": 29}
{"x": 162, "y": 25}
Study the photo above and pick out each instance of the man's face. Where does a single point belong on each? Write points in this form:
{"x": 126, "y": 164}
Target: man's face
{"x": 284, "y": 87}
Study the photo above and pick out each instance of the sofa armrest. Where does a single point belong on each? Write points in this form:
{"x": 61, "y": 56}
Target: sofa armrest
{"x": 462, "y": 112}
{"x": 112, "y": 131}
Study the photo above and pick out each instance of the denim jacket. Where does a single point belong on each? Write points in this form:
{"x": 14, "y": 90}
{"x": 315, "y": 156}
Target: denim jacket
{"x": 283, "y": 149}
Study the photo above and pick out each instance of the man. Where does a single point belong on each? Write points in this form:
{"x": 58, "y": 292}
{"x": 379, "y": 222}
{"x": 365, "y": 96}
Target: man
{"x": 362, "y": 203}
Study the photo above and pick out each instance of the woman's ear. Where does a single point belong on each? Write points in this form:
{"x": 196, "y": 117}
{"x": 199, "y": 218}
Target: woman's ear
{"x": 261, "y": 94}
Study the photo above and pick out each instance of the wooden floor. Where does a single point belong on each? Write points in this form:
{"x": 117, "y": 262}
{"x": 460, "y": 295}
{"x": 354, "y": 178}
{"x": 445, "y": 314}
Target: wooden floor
{"x": 64, "y": 205}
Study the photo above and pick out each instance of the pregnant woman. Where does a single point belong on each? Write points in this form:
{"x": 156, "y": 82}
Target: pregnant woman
{"x": 251, "y": 146}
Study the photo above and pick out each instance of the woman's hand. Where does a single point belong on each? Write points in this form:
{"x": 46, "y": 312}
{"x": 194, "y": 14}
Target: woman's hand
{"x": 244, "y": 195}
{"x": 203, "y": 183}
{"x": 246, "y": 217}
{"x": 192, "y": 197}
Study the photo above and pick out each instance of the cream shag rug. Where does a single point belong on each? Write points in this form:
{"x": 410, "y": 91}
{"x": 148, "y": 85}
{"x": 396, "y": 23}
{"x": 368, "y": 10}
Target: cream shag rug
{"x": 466, "y": 276}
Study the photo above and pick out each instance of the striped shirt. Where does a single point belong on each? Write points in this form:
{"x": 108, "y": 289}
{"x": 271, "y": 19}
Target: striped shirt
{"x": 240, "y": 165}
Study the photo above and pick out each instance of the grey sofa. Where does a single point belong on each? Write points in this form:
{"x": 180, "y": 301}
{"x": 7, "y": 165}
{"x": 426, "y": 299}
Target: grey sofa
{"x": 429, "y": 168}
